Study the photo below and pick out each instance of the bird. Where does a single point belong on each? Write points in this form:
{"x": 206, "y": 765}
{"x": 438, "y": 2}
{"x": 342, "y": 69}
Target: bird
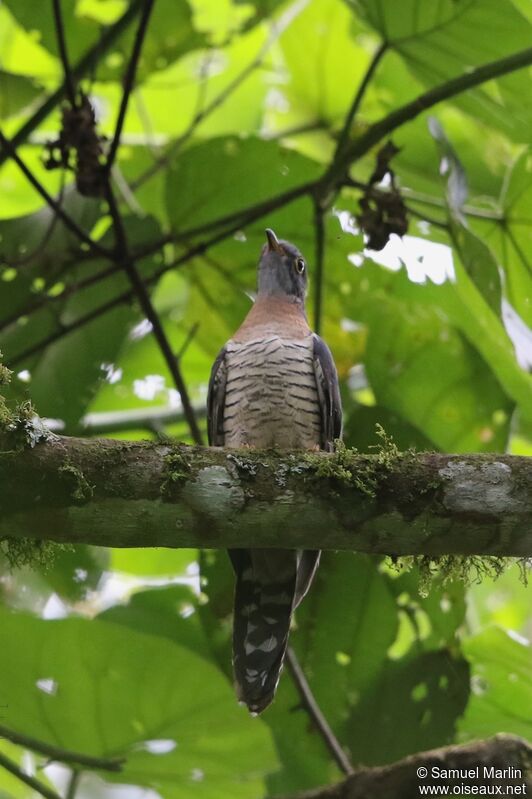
{"x": 274, "y": 384}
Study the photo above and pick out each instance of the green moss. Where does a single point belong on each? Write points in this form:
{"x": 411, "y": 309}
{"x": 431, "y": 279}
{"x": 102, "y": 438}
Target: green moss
{"x": 468, "y": 569}
{"x": 363, "y": 472}
{"x": 20, "y": 552}
{"x": 176, "y": 471}
{"x": 80, "y": 488}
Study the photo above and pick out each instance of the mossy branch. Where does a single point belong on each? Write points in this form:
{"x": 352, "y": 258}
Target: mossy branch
{"x": 123, "y": 494}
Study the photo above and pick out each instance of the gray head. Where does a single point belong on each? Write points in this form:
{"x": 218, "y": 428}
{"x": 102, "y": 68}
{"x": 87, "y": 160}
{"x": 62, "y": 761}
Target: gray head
{"x": 282, "y": 269}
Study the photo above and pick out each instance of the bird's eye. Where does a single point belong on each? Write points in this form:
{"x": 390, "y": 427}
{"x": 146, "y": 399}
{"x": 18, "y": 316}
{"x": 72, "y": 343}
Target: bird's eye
{"x": 300, "y": 266}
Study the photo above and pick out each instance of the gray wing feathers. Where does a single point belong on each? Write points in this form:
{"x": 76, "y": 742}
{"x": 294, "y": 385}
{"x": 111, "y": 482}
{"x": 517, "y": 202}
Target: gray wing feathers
{"x": 216, "y": 401}
{"x": 328, "y": 394}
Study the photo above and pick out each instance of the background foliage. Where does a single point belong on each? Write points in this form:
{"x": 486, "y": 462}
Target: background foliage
{"x": 237, "y": 106}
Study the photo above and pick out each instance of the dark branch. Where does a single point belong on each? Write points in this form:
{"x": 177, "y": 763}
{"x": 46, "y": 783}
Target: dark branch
{"x": 411, "y": 110}
{"x": 457, "y": 768}
{"x": 314, "y": 711}
{"x": 357, "y": 101}
{"x": 129, "y": 80}
{"x": 59, "y": 754}
{"x": 31, "y": 782}
{"x": 81, "y": 491}
{"x": 139, "y": 288}
{"x": 70, "y": 88}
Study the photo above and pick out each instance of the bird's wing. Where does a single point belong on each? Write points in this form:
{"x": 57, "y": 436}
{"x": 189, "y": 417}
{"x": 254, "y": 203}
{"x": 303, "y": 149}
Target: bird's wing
{"x": 328, "y": 394}
{"x": 216, "y": 401}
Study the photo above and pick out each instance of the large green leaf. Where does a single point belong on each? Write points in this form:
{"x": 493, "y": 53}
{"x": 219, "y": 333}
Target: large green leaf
{"x": 420, "y": 366}
{"x": 501, "y": 685}
{"x": 227, "y": 175}
{"x": 103, "y": 689}
{"x": 512, "y": 240}
{"x": 346, "y": 635}
{"x": 436, "y": 40}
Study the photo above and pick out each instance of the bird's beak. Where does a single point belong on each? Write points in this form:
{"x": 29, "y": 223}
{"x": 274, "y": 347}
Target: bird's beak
{"x": 273, "y": 241}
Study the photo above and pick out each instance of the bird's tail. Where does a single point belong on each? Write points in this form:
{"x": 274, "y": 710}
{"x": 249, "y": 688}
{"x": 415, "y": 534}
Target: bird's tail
{"x": 269, "y": 585}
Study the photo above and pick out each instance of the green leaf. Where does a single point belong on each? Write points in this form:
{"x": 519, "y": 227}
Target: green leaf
{"x": 227, "y": 175}
{"x": 438, "y": 40}
{"x": 421, "y": 367}
{"x": 479, "y": 263}
{"x": 512, "y": 241}
{"x": 501, "y": 685}
{"x": 170, "y": 612}
{"x": 16, "y": 93}
{"x": 136, "y": 689}
{"x": 476, "y": 257}
{"x": 346, "y": 633}
{"x": 321, "y": 85}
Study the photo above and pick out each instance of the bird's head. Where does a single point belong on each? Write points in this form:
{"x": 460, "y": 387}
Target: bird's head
{"x": 282, "y": 269}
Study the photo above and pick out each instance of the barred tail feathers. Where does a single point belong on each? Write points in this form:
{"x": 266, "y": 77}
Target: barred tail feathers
{"x": 265, "y": 596}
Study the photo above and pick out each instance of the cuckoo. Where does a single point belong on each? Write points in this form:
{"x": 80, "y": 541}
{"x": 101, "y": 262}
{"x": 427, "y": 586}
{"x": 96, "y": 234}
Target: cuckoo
{"x": 273, "y": 385}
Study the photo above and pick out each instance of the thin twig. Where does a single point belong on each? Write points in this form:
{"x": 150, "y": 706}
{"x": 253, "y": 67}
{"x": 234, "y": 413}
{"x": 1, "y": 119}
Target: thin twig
{"x": 129, "y": 80}
{"x": 187, "y": 342}
{"x": 54, "y": 205}
{"x": 73, "y": 784}
{"x": 319, "y": 230}
{"x": 61, "y": 43}
{"x": 142, "y": 294}
{"x": 314, "y": 711}
{"x": 83, "y": 66}
{"x": 59, "y": 754}
{"x": 357, "y": 100}
{"x": 31, "y": 782}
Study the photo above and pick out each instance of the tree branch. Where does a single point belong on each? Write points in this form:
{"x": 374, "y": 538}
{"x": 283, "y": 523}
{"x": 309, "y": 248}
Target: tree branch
{"x": 84, "y": 65}
{"x": 59, "y": 754}
{"x": 124, "y": 259}
{"x": 409, "y": 111}
{"x": 129, "y": 80}
{"x": 314, "y": 711}
{"x": 120, "y": 493}
{"x": 70, "y": 88}
{"x": 508, "y": 754}
{"x": 32, "y": 782}
{"x": 359, "y": 96}
{"x": 67, "y": 220}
